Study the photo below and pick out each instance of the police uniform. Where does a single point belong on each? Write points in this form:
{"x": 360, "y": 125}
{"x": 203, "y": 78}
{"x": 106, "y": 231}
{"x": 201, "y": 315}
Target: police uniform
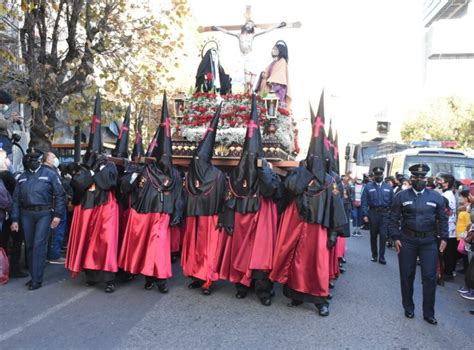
{"x": 375, "y": 204}
{"x": 37, "y": 199}
{"x": 415, "y": 216}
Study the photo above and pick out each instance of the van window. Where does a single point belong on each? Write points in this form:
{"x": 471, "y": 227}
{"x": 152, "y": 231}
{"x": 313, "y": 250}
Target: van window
{"x": 460, "y": 168}
{"x": 397, "y": 166}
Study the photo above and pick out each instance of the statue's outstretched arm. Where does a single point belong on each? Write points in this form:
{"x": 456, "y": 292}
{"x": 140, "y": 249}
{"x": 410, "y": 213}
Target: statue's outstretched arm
{"x": 281, "y": 25}
{"x": 225, "y": 31}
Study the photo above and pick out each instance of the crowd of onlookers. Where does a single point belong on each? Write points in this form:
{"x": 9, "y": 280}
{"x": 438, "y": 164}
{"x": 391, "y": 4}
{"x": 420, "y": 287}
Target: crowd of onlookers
{"x": 459, "y": 199}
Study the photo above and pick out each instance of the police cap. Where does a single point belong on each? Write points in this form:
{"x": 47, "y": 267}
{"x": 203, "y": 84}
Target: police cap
{"x": 378, "y": 170}
{"x": 419, "y": 170}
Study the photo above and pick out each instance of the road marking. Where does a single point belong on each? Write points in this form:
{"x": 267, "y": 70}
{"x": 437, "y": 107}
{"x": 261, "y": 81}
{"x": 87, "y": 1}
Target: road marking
{"x": 43, "y": 315}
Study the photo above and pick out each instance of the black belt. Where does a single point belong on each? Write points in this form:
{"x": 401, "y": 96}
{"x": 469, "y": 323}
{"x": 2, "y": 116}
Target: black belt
{"x": 37, "y": 208}
{"x": 418, "y": 234}
{"x": 380, "y": 209}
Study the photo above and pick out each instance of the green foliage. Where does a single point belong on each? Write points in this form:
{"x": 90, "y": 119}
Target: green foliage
{"x": 447, "y": 118}
{"x": 126, "y": 49}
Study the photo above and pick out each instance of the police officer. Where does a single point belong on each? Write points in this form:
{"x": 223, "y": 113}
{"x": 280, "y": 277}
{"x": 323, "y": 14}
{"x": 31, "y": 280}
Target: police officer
{"x": 38, "y": 201}
{"x": 416, "y": 214}
{"x": 375, "y": 206}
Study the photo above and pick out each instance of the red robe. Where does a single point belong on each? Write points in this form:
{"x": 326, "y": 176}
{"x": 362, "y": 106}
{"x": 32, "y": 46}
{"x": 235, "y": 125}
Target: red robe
{"x": 201, "y": 248}
{"x": 341, "y": 247}
{"x": 177, "y": 234}
{"x": 251, "y": 245}
{"x": 333, "y": 263}
{"x": 299, "y": 245}
{"x": 93, "y": 240}
{"x": 146, "y": 245}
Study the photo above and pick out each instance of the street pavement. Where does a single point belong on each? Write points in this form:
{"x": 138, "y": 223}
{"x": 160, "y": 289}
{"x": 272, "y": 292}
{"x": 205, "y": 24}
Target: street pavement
{"x": 366, "y": 313}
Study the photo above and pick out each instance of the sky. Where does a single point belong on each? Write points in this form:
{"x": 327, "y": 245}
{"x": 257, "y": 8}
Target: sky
{"x": 366, "y": 54}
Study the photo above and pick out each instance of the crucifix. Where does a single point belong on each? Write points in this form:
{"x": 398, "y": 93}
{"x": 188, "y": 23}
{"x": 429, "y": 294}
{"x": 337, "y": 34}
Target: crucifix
{"x": 245, "y": 37}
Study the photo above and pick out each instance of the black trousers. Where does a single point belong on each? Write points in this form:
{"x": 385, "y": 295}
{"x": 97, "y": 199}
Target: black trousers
{"x": 378, "y": 226}
{"x": 17, "y": 239}
{"x": 263, "y": 285}
{"x": 451, "y": 256}
{"x": 469, "y": 274}
{"x": 427, "y": 250}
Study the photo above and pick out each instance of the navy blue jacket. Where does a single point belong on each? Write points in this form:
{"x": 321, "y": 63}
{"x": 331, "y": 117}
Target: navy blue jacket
{"x": 425, "y": 213}
{"x": 40, "y": 188}
{"x": 375, "y": 196}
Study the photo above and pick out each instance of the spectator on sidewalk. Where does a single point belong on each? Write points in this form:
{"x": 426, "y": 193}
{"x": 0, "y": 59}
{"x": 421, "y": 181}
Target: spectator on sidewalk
{"x": 57, "y": 235}
{"x": 356, "y": 196}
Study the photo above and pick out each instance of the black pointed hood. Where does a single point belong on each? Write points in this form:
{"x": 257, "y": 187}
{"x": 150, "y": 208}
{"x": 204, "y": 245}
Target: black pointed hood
{"x": 121, "y": 146}
{"x": 160, "y": 146}
{"x": 205, "y": 149}
{"x": 336, "y": 154}
{"x": 138, "y": 150}
{"x": 95, "y": 136}
{"x": 202, "y": 173}
{"x": 244, "y": 178}
{"x": 315, "y": 158}
{"x": 77, "y": 142}
{"x": 329, "y": 149}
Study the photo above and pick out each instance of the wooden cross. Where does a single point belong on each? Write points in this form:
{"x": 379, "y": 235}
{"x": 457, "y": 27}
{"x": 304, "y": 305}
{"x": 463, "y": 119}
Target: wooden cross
{"x": 248, "y": 17}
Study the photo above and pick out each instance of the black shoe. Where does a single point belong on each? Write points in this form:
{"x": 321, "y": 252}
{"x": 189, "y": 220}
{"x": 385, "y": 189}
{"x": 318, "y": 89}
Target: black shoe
{"x": 409, "y": 314}
{"x": 323, "y": 310}
{"x": 27, "y": 284}
{"x": 19, "y": 274}
{"x": 374, "y": 259}
{"x": 266, "y": 301}
{"x": 91, "y": 283}
{"x": 342, "y": 270}
{"x": 195, "y": 285}
{"x": 241, "y": 295}
{"x": 34, "y": 286}
{"x": 431, "y": 320}
{"x": 149, "y": 285}
{"x": 294, "y": 303}
{"x": 382, "y": 261}
{"x": 471, "y": 311}
{"x": 343, "y": 260}
{"x": 331, "y": 285}
{"x": 206, "y": 291}
{"x": 163, "y": 288}
{"x": 329, "y": 297}
{"x": 109, "y": 287}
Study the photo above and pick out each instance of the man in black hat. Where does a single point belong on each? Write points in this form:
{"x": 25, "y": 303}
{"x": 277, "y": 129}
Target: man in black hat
{"x": 39, "y": 202}
{"x": 415, "y": 216}
{"x": 375, "y": 206}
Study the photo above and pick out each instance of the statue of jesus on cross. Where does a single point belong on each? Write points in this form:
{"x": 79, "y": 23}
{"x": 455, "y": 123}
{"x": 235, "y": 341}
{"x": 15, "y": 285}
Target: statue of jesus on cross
{"x": 245, "y": 37}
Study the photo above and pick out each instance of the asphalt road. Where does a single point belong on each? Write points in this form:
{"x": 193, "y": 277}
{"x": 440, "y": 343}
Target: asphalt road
{"x": 366, "y": 313}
